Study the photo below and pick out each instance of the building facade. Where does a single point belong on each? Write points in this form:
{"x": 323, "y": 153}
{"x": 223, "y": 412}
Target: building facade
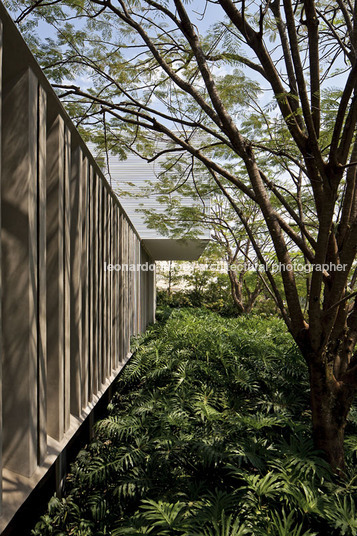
{"x": 66, "y": 315}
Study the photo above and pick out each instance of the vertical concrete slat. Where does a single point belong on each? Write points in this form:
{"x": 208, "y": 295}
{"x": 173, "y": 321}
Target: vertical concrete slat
{"x": 76, "y": 282}
{"x": 109, "y": 350}
{"x": 138, "y": 289}
{"x": 66, "y": 279}
{"x": 121, "y": 287}
{"x": 147, "y": 275}
{"x": 135, "y": 274}
{"x": 111, "y": 280}
{"x": 85, "y": 282}
{"x": 107, "y": 313}
{"x": 55, "y": 278}
{"x": 100, "y": 269}
{"x": 142, "y": 286}
{"x": 133, "y": 285}
{"x": 127, "y": 286}
{"x": 145, "y": 292}
{"x": 119, "y": 353}
{"x": 124, "y": 250}
{"x": 142, "y": 283}
{"x": 19, "y": 239}
{"x": 91, "y": 286}
{"x": 98, "y": 294}
{"x": 110, "y": 296}
{"x": 115, "y": 260}
{"x": 42, "y": 342}
{"x": 105, "y": 284}
{"x": 115, "y": 289}
{"x": 131, "y": 281}
{"x": 95, "y": 283}
{"x": 1, "y": 291}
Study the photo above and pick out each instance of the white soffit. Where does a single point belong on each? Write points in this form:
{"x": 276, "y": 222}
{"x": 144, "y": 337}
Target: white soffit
{"x": 168, "y": 249}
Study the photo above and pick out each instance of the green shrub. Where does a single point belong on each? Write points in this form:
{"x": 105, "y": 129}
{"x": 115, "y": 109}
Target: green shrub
{"x": 208, "y": 434}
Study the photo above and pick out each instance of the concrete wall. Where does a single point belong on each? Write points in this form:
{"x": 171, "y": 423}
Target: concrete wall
{"x": 66, "y": 323}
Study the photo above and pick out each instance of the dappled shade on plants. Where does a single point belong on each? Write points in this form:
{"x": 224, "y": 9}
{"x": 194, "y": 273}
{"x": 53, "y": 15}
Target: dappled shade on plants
{"x": 208, "y": 434}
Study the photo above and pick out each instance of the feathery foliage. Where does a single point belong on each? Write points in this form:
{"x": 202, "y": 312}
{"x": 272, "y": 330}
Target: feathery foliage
{"x": 208, "y": 434}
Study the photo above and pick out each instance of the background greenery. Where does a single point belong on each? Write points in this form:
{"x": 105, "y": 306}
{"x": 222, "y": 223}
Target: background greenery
{"x": 205, "y": 286}
{"x": 208, "y": 434}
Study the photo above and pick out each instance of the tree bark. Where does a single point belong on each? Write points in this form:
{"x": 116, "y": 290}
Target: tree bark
{"x": 236, "y": 290}
{"x": 331, "y": 401}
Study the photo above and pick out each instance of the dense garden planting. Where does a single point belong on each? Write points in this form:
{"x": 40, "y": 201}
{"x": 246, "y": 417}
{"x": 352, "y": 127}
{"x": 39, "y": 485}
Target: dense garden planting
{"x": 208, "y": 434}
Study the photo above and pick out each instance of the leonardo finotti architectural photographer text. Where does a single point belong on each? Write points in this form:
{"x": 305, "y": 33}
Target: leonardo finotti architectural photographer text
{"x": 144, "y": 267}
{"x": 292, "y": 267}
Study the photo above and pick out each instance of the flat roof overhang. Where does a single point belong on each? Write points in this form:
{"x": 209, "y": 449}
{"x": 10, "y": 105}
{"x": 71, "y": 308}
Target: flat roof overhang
{"x": 181, "y": 249}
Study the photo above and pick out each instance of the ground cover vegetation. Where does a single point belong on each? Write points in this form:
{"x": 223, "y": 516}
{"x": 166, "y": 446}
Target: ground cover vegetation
{"x": 208, "y": 434}
{"x": 261, "y": 95}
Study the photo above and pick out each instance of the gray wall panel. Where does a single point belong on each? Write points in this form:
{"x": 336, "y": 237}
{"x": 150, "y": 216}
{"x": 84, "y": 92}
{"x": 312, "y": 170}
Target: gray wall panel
{"x": 42, "y": 276}
{"x": 85, "y": 283}
{"x": 76, "y": 282}
{"x": 20, "y": 273}
{"x": 66, "y": 278}
{"x": 66, "y": 324}
{"x": 55, "y": 278}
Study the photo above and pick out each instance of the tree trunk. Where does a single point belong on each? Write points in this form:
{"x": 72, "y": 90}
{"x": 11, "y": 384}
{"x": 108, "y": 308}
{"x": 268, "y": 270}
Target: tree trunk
{"x": 236, "y": 290}
{"x": 330, "y": 403}
{"x": 170, "y": 280}
{"x": 252, "y": 296}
